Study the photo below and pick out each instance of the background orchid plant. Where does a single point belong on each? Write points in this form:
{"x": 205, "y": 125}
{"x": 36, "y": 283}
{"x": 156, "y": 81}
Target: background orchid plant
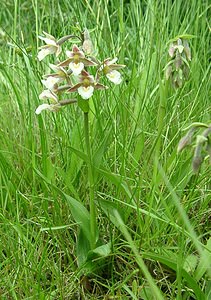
{"x": 72, "y": 76}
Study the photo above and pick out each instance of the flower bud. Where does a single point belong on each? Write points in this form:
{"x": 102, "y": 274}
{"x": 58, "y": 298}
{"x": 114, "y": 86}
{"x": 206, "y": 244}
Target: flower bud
{"x": 185, "y": 141}
{"x": 196, "y": 163}
{"x": 171, "y": 50}
{"x": 187, "y": 50}
{"x": 178, "y": 61}
{"x": 87, "y": 44}
{"x": 168, "y": 72}
{"x": 209, "y": 151}
{"x": 200, "y": 139}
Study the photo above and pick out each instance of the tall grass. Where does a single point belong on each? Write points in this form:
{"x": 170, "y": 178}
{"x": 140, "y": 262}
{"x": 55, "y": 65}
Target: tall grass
{"x": 155, "y": 212}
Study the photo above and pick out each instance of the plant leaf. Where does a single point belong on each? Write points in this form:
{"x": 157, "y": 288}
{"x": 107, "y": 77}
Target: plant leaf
{"x": 109, "y": 209}
{"x": 191, "y": 282}
{"x": 98, "y": 155}
{"x": 82, "y": 248}
{"x": 80, "y": 214}
{"x": 80, "y": 154}
{"x": 117, "y": 180}
{"x": 190, "y": 263}
{"x": 84, "y": 105}
{"x": 205, "y": 260}
{"x": 102, "y": 251}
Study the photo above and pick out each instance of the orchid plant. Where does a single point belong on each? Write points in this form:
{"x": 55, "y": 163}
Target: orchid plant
{"x": 74, "y": 68}
{"x": 79, "y": 73}
{"x": 177, "y": 69}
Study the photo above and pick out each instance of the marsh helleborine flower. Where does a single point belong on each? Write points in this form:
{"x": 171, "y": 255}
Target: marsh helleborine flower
{"x": 86, "y": 86}
{"x": 109, "y": 68}
{"x": 76, "y": 61}
{"x": 51, "y": 47}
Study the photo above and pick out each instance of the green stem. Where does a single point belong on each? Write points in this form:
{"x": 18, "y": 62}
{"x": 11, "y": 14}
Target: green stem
{"x": 160, "y": 125}
{"x": 91, "y": 182}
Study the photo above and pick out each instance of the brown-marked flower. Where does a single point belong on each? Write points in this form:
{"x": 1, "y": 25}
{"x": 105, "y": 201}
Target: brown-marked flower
{"x": 86, "y": 86}
{"x": 59, "y": 75}
{"x": 51, "y": 46}
{"x": 109, "y": 68}
{"x": 76, "y": 61}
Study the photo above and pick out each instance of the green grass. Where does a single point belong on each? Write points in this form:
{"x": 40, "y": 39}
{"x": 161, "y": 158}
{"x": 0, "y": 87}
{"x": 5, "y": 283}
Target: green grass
{"x": 150, "y": 206}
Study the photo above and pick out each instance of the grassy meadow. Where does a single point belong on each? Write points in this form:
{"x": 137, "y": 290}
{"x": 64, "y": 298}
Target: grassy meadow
{"x": 151, "y": 209}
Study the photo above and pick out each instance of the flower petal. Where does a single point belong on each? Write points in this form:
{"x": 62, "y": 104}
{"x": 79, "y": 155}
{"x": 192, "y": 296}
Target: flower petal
{"x": 74, "y": 88}
{"x": 49, "y": 36}
{"x": 46, "y": 50}
{"x": 171, "y": 50}
{"x": 42, "y": 54}
{"x": 70, "y": 54}
{"x": 114, "y": 76}
{"x": 46, "y": 94}
{"x": 116, "y": 67}
{"x": 65, "y": 62}
{"x": 113, "y": 61}
{"x": 50, "y": 82}
{"x": 48, "y": 41}
{"x": 180, "y": 48}
{"x": 51, "y": 107}
{"x": 55, "y": 68}
{"x": 86, "y": 92}
{"x": 75, "y": 48}
{"x": 99, "y": 86}
{"x": 88, "y": 62}
{"x": 76, "y": 68}
{"x": 58, "y": 51}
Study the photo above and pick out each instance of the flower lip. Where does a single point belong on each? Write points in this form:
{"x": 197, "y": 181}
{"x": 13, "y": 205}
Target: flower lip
{"x": 114, "y": 76}
{"x": 76, "y": 68}
{"x": 86, "y": 92}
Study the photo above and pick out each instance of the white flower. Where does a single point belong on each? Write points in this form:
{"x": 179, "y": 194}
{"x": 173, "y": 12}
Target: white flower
{"x": 86, "y": 92}
{"x": 51, "y": 107}
{"x": 50, "y": 82}
{"x": 76, "y": 68}
{"x": 51, "y": 46}
{"x": 114, "y": 76}
{"x": 46, "y": 94}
